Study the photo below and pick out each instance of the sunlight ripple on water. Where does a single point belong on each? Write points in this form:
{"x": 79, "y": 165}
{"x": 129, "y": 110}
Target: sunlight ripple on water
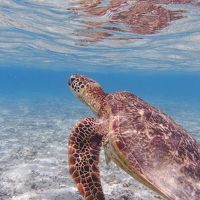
{"x": 64, "y": 35}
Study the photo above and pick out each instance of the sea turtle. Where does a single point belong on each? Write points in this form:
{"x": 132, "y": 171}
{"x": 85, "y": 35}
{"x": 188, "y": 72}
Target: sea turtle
{"x": 139, "y": 138}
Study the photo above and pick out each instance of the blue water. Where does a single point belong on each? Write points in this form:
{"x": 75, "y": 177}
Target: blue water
{"x": 43, "y": 42}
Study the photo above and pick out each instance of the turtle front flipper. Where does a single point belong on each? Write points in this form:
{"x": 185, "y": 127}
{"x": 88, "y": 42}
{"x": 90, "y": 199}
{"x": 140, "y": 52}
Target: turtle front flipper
{"x": 83, "y": 154}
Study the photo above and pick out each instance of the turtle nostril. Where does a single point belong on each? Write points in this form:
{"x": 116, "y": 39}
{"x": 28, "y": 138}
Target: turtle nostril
{"x": 72, "y": 79}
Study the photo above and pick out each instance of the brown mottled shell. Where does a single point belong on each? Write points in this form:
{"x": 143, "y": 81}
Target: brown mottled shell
{"x": 151, "y": 147}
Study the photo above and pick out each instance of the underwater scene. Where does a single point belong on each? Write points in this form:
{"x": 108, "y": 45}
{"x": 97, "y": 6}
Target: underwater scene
{"x": 149, "y": 48}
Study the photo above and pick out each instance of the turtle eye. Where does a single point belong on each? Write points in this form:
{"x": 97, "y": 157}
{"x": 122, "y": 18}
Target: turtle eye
{"x": 70, "y": 82}
{"x": 72, "y": 79}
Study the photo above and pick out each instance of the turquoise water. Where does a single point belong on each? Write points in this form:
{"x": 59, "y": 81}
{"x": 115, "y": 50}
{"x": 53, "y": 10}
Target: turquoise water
{"x": 152, "y": 51}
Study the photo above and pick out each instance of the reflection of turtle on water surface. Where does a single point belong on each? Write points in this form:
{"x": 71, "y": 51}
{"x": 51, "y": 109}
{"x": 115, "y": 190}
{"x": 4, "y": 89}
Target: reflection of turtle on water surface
{"x": 144, "y": 142}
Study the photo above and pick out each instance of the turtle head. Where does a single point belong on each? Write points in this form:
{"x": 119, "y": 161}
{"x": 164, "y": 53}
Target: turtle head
{"x": 87, "y": 90}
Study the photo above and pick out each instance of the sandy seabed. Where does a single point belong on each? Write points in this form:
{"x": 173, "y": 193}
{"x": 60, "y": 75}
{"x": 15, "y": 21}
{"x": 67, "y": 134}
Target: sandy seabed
{"x": 33, "y": 157}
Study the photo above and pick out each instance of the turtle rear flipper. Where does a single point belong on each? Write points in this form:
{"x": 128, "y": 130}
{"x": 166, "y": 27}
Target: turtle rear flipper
{"x": 83, "y": 150}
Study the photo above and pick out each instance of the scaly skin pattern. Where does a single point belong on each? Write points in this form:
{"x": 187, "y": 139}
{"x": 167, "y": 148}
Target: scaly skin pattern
{"x": 152, "y": 148}
{"x": 83, "y": 155}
